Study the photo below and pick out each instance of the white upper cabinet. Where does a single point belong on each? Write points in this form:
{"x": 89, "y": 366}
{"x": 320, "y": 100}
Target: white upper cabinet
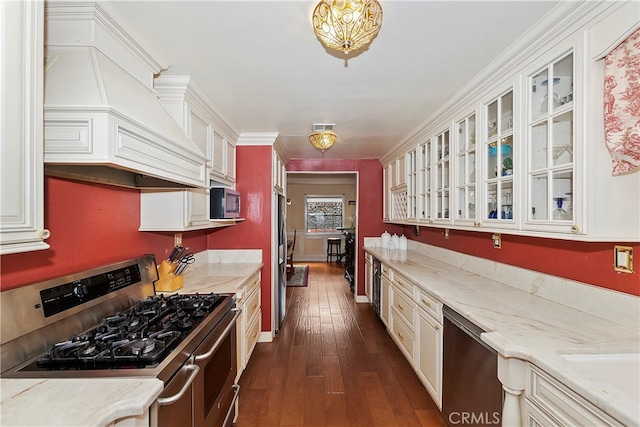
{"x": 442, "y": 177}
{"x": 465, "y": 171}
{"x": 102, "y": 119}
{"x": 189, "y": 209}
{"x": 498, "y": 153}
{"x": 424, "y": 182}
{"x": 521, "y": 149}
{"x": 550, "y": 167}
{"x": 22, "y": 203}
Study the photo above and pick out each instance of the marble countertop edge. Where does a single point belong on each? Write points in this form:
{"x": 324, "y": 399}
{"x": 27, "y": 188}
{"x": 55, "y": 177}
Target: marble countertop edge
{"x": 540, "y": 338}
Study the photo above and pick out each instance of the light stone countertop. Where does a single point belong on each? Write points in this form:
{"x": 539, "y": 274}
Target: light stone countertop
{"x": 100, "y": 401}
{"x": 75, "y": 402}
{"x": 220, "y": 278}
{"x": 526, "y": 326}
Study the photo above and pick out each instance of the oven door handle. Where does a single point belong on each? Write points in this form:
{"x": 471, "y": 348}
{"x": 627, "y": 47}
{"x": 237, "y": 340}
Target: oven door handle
{"x": 214, "y": 347}
{"x": 236, "y": 390}
{"x": 195, "y": 369}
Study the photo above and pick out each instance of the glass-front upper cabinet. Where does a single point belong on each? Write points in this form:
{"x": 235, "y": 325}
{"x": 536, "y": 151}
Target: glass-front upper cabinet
{"x": 442, "y": 175}
{"x": 424, "y": 177}
{"x": 412, "y": 183}
{"x": 550, "y": 165}
{"x": 466, "y": 169}
{"x": 498, "y": 159}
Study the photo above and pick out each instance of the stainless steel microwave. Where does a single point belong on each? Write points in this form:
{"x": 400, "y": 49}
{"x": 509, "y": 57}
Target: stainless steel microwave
{"x": 225, "y": 203}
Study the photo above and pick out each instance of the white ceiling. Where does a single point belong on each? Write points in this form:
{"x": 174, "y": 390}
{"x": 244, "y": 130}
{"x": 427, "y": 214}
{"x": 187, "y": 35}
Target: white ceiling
{"x": 262, "y": 65}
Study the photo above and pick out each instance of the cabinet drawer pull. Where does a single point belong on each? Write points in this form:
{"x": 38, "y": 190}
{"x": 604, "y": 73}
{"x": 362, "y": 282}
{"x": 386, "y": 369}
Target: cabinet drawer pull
{"x": 400, "y": 306}
{"x": 254, "y": 306}
{"x": 427, "y": 303}
{"x": 436, "y": 327}
{"x": 401, "y": 336}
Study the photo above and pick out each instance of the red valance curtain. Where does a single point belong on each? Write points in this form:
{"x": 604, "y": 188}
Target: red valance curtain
{"x": 622, "y": 105}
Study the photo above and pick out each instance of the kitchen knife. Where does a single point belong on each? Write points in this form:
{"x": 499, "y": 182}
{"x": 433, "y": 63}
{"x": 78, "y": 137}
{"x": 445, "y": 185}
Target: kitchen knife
{"x": 181, "y": 254}
{"x": 174, "y": 253}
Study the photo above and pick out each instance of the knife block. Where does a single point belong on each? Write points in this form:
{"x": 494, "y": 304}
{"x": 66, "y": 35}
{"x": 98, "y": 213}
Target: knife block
{"x": 167, "y": 281}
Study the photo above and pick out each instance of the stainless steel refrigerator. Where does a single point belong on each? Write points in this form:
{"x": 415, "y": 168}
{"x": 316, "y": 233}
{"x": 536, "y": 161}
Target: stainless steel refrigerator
{"x": 281, "y": 291}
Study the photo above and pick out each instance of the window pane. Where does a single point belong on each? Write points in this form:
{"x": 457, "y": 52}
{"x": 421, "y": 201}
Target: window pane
{"x": 324, "y": 214}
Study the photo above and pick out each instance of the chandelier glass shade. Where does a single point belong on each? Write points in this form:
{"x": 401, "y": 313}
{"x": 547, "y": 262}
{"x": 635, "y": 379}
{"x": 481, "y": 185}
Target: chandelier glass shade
{"x": 347, "y": 25}
{"x": 323, "y": 140}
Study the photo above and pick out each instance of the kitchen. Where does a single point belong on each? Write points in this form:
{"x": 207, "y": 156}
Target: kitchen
{"x": 95, "y": 224}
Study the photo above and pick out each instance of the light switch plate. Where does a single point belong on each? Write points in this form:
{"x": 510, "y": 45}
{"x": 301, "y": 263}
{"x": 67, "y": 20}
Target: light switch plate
{"x": 623, "y": 258}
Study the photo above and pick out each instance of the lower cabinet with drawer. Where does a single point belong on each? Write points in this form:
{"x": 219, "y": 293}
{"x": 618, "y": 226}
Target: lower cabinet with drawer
{"x": 548, "y": 402}
{"x": 429, "y": 335}
{"x": 249, "y": 322}
{"x": 415, "y": 324}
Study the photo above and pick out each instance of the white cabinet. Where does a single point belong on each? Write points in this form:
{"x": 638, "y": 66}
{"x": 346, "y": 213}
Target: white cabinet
{"x": 550, "y": 148}
{"x": 21, "y": 133}
{"x": 465, "y": 200}
{"x": 249, "y": 323}
{"x": 385, "y": 296}
{"x": 414, "y": 320}
{"x": 176, "y": 210}
{"x": 499, "y": 146}
{"x": 202, "y": 122}
{"x": 279, "y": 173}
{"x": 184, "y": 210}
{"x": 429, "y": 332}
{"x": 550, "y": 402}
{"x": 403, "y": 315}
{"x": 528, "y": 153}
{"x": 442, "y": 177}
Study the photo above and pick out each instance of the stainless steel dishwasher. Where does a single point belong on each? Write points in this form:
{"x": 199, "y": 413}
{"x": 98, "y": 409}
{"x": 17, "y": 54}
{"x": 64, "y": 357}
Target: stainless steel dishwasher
{"x": 472, "y": 395}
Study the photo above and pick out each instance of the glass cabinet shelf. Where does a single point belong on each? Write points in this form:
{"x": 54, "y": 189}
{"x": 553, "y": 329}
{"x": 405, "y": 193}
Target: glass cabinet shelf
{"x": 424, "y": 180}
{"x": 498, "y": 159}
{"x": 466, "y": 169}
{"x": 550, "y": 146}
{"x": 442, "y": 175}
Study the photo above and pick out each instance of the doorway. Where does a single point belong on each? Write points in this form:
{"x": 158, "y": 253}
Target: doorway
{"x": 319, "y": 206}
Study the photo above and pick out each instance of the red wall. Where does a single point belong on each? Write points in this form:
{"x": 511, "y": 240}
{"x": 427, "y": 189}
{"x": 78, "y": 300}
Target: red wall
{"x": 91, "y": 225}
{"x": 369, "y": 203}
{"x": 588, "y": 262}
{"x": 253, "y": 169}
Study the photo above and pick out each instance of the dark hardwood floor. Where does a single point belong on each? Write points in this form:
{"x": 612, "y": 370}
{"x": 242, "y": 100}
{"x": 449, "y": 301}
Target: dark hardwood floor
{"x": 332, "y": 364}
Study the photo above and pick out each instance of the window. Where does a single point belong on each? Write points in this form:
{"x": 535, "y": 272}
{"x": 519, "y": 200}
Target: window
{"x": 324, "y": 214}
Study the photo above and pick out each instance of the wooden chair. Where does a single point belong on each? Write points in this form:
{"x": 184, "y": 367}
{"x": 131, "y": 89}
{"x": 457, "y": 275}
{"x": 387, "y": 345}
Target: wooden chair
{"x": 290, "y": 248}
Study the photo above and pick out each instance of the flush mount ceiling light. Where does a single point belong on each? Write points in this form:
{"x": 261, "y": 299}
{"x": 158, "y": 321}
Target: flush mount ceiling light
{"x": 323, "y": 137}
{"x": 347, "y": 25}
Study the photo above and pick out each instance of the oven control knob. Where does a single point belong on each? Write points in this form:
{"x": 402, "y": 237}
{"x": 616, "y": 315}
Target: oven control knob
{"x": 80, "y": 291}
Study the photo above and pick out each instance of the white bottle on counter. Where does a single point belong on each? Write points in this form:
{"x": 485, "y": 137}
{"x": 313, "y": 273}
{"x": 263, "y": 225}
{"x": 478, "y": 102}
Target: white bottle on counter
{"x": 395, "y": 241}
{"x": 384, "y": 240}
{"x": 403, "y": 244}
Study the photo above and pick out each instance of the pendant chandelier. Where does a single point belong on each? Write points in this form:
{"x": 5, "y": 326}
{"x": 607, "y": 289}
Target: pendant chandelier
{"x": 347, "y": 25}
{"x": 323, "y": 140}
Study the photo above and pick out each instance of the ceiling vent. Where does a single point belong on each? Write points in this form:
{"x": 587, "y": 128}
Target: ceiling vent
{"x": 323, "y": 127}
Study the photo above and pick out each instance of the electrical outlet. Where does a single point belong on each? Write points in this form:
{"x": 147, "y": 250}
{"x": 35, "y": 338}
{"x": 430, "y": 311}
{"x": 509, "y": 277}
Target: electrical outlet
{"x": 177, "y": 239}
{"x": 497, "y": 240}
{"x": 623, "y": 258}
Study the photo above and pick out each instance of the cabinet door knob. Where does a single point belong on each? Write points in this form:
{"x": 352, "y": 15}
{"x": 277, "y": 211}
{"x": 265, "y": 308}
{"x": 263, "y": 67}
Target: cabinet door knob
{"x": 44, "y": 234}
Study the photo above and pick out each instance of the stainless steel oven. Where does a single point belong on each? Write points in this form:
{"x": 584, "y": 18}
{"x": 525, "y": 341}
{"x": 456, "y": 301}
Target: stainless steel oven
{"x": 203, "y": 391}
{"x": 110, "y": 322}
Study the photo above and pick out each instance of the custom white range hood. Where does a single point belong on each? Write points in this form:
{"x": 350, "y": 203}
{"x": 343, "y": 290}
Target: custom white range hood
{"x": 102, "y": 120}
